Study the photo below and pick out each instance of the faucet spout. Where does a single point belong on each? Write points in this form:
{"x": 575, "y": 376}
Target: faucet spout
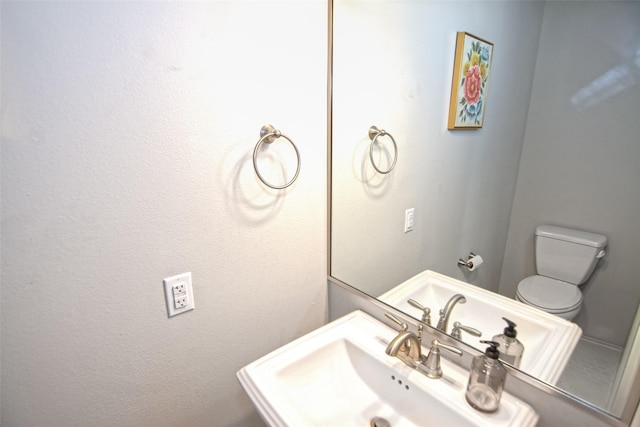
{"x": 406, "y": 347}
{"x": 445, "y": 313}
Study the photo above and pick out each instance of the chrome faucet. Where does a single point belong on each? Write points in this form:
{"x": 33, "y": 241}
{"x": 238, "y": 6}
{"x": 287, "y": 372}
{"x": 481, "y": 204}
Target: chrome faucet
{"x": 405, "y": 346}
{"x": 431, "y": 367}
{"x": 445, "y": 313}
{"x": 426, "y": 311}
{"x": 456, "y": 332}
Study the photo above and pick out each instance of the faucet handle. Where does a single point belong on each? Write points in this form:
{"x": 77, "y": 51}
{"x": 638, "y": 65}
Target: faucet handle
{"x": 426, "y": 311}
{"x": 435, "y": 345}
{"x": 431, "y": 366}
{"x": 403, "y": 326}
{"x": 457, "y": 327}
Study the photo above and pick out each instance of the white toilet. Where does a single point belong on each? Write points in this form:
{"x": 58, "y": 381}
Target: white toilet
{"x": 565, "y": 258}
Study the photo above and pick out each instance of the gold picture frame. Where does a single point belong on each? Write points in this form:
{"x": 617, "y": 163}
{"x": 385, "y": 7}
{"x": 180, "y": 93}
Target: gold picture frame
{"x": 471, "y": 72}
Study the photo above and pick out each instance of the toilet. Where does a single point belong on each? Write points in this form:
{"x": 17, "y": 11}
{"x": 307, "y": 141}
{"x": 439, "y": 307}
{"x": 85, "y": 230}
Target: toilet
{"x": 565, "y": 258}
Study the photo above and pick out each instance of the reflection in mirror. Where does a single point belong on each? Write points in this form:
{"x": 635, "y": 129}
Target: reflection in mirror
{"x": 472, "y": 314}
{"x": 559, "y": 146}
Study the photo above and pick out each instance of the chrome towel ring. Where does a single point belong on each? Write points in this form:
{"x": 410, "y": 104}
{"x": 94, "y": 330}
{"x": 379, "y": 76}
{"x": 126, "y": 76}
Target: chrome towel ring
{"x": 268, "y": 134}
{"x": 374, "y": 133}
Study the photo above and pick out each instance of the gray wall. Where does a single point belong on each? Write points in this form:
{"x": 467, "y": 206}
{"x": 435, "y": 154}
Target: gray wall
{"x": 127, "y": 133}
{"x": 580, "y": 164}
{"x": 561, "y": 121}
{"x": 393, "y": 66}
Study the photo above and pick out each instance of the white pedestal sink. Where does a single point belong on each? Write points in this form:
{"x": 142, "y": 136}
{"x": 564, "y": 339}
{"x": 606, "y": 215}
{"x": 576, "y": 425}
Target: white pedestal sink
{"x": 548, "y": 340}
{"x": 339, "y": 375}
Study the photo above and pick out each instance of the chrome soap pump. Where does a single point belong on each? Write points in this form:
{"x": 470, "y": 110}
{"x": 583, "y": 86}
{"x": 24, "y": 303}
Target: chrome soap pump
{"x": 486, "y": 380}
{"x": 510, "y": 348}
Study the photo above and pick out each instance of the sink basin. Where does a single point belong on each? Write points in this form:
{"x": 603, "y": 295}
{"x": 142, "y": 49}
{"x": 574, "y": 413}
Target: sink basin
{"x": 339, "y": 375}
{"x": 548, "y": 340}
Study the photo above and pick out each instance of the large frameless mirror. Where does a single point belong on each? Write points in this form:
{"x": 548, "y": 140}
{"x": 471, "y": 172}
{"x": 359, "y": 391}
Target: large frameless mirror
{"x": 558, "y": 146}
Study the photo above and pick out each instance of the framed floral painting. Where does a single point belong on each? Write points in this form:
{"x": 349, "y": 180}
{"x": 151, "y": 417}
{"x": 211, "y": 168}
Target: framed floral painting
{"x": 471, "y": 71}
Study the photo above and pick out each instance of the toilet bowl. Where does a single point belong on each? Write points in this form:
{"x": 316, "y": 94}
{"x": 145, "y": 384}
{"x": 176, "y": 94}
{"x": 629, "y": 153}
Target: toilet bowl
{"x": 551, "y": 295}
{"x": 565, "y": 259}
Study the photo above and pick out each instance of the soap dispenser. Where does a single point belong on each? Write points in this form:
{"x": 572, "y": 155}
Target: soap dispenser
{"x": 486, "y": 380}
{"x": 511, "y": 348}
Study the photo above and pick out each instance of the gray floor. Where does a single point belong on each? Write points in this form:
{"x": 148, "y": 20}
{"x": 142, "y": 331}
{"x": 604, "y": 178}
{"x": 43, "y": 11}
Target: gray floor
{"x": 591, "y": 371}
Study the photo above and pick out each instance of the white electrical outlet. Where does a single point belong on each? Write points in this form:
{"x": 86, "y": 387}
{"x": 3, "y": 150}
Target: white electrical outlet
{"x": 179, "y": 294}
{"x": 180, "y": 302}
{"x": 179, "y": 289}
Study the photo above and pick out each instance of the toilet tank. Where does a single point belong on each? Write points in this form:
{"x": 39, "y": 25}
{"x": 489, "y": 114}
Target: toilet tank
{"x": 567, "y": 254}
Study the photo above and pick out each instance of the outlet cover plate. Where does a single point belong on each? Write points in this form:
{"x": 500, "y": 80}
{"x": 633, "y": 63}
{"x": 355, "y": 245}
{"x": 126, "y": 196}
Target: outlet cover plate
{"x": 409, "y": 216}
{"x": 178, "y": 292}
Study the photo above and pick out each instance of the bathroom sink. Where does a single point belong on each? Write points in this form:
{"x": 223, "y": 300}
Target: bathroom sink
{"x": 339, "y": 375}
{"x": 548, "y": 340}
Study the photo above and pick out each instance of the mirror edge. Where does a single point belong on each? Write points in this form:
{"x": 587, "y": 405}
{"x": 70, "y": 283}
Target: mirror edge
{"x": 329, "y": 131}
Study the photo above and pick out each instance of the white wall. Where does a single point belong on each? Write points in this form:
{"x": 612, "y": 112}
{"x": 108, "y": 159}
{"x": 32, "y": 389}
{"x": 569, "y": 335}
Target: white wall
{"x": 127, "y": 133}
{"x": 580, "y": 163}
{"x": 393, "y": 69}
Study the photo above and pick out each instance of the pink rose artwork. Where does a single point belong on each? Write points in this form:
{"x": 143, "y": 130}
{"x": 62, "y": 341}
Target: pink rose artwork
{"x": 471, "y": 69}
{"x": 472, "y": 84}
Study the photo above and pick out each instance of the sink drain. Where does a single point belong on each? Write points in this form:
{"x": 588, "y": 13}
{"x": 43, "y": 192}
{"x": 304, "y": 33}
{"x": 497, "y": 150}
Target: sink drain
{"x": 379, "y": 422}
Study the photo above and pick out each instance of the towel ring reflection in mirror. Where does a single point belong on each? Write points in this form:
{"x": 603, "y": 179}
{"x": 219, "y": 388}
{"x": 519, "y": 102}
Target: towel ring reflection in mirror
{"x": 374, "y": 133}
{"x": 268, "y": 134}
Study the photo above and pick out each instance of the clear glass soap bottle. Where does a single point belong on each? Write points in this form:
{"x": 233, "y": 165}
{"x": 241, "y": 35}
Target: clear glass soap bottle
{"x": 511, "y": 349}
{"x": 486, "y": 380}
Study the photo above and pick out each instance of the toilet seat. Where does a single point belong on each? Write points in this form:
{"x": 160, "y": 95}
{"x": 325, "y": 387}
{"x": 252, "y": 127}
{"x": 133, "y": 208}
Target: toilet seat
{"x": 550, "y": 295}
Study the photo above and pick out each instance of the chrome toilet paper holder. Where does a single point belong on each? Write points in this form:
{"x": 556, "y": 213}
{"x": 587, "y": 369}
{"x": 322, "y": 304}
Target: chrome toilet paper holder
{"x": 469, "y": 263}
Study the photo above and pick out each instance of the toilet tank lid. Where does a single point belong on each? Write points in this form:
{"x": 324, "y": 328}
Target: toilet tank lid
{"x": 571, "y": 235}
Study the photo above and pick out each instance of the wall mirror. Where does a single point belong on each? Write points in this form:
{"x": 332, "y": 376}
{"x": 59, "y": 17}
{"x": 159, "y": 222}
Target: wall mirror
{"x": 559, "y": 146}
